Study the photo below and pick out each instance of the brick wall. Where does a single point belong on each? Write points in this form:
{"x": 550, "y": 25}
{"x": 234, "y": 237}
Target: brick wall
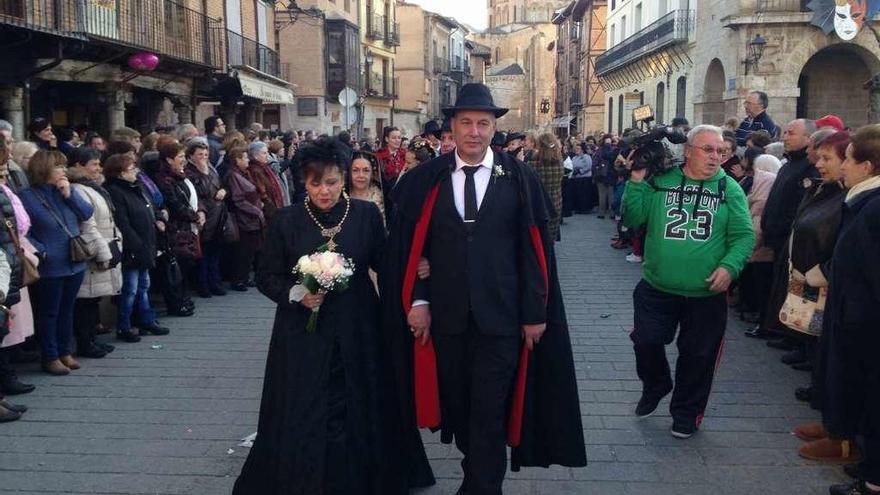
{"x": 302, "y": 46}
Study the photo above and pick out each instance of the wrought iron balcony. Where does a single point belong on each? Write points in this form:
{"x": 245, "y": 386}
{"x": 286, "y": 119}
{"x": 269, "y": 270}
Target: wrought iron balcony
{"x": 575, "y": 100}
{"x": 161, "y": 26}
{"x": 441, "y": 65}
{"x": 379, "y": 86}
{"x": 671, "y": 29}
{"x": 392, "y": 36}
{"x": 376, "y": 27}
{"x": 459, "y": 64}
{"x": 242, "y": 51}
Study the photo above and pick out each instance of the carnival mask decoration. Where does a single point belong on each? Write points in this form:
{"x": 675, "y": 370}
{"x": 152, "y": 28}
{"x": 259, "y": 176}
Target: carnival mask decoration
{"x": 845, "y": 17}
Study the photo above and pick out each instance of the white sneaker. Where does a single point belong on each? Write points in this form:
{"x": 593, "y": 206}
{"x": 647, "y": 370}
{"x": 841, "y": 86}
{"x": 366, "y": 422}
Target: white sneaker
{"x": 632, "y": 258}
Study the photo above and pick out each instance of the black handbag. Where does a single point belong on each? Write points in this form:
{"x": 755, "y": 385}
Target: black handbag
{"x": 115, "y": 246}
{"x": 5, "y": 321}
{"x": 231, "y": 232}
{"x": 80, "y": 250}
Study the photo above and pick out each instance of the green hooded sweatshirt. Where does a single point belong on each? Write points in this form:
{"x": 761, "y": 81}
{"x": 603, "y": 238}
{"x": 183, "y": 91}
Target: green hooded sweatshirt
{"x": 689, "y": 235}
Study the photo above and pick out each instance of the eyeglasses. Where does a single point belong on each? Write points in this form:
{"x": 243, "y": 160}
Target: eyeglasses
{"x": 711, "y": 150}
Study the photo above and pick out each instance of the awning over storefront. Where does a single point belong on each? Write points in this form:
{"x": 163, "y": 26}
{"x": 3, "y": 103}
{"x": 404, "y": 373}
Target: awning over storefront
{"x": 265, "y": 90}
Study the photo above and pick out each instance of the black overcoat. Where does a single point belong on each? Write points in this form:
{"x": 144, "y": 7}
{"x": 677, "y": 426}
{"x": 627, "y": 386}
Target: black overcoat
{"x": 852, "y": 313}
{"x": 551, "y": 430}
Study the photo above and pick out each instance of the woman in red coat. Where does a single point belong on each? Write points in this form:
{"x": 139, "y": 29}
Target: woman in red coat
{"x": 392, "y": 156}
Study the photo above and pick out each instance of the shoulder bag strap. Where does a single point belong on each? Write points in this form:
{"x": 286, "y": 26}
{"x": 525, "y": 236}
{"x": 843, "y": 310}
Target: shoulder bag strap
{"x": 12, "y": 233}
{"x": 53, "y": 212}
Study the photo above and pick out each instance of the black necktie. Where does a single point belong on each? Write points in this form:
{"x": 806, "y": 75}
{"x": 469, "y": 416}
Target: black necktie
{"x": 470, "y": 194}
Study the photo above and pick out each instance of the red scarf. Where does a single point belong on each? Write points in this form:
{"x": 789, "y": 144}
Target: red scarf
{"x": 391, "y": 165}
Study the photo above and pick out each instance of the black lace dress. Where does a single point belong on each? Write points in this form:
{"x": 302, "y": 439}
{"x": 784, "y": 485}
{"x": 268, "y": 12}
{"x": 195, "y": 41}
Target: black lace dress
{"x": 328, "y": 418}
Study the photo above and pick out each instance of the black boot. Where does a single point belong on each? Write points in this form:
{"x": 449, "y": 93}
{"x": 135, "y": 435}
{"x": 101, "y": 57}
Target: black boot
{"x": 6, "y": 415}
{"x": 10, "y": 385}
{"x": 154, "y": 329}
{"x": 854, "y": 488}
{"x": 92, "y": 351}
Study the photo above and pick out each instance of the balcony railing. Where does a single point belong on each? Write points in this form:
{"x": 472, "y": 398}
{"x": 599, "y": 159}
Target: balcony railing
{"x": 392, "y": 35}
{"x": 782, "y": 5}
{"x": 379, "y": 86}
{"x": 162, "y": 26}
{"x": 376, "y": 27}
{"x": 242, "y": 51}
{"x": 441, "y": 65}
{"x": 671, "y": 29}
{"x": 460, "y": 64}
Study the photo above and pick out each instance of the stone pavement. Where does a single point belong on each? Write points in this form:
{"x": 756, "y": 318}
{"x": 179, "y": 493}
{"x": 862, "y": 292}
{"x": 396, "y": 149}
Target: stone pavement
{"x": 150, "y": 420}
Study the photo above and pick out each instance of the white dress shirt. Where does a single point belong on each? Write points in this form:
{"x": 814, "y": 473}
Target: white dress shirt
{"x": 481, "y": 180}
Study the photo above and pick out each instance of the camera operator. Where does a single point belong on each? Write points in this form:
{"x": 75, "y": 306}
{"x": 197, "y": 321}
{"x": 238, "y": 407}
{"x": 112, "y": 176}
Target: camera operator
{"x": 699, "y": 237}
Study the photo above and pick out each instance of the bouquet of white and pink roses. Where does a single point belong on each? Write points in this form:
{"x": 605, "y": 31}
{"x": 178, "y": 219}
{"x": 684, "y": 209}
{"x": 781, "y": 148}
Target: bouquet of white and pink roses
{"x": 320, "y": 273}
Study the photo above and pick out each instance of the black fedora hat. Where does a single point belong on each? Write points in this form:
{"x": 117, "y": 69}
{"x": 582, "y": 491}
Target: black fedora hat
{"x": 499, "y": 139}
{"x": 475, "y": 96}
{"x": 513, "y": 136}
{"x": 431, "y": 128}
{"x": 446, "y": 127}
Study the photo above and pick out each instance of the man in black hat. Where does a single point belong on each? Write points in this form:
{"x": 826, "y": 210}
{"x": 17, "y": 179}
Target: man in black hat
{"x": 431, "y": 132}
{"x": 514, "y": 145}
{"x": 489, "y": 319}
{"x": 447, "y": 139}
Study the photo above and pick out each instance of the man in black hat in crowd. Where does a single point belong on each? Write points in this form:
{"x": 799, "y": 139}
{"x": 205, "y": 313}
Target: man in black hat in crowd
{"x": 490, "y": 313}
{"x": 514, "y": 144}
{"x": 431, "y": 133}
{"x": 447, "y": 139}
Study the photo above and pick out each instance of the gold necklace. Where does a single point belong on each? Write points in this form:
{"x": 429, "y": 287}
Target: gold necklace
{"x": 330, "y": 233}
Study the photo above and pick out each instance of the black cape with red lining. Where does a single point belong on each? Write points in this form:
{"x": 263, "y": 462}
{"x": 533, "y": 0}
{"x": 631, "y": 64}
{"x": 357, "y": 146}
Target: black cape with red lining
{"x": 551, "y": 431}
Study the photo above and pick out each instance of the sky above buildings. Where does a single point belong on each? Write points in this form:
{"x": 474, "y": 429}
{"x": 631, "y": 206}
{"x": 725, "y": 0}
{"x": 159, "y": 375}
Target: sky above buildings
{"x": 470, "y": 12}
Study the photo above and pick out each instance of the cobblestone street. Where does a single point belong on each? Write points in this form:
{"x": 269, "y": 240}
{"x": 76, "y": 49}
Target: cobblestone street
{"x": 165, "y": 416}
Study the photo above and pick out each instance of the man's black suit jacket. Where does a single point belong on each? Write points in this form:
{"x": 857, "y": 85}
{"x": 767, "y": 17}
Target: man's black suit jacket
{"x": 489, "y": 270}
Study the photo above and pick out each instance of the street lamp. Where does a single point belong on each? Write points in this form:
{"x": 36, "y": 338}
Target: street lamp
{"x": 756, "y": 51}
{"x": 369, "y": 58}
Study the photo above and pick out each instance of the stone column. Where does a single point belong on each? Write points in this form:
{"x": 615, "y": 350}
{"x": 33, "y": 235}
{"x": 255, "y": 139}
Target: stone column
{"x": 873, "y": 87}
{"x": 250, "y": 113}
{"x": 227, "y": 112}
{"x": 184, "y": 111}
{"x": 115, "y": 98}
{"x": 13, "y": 109}
{"x": 258, "y": 114}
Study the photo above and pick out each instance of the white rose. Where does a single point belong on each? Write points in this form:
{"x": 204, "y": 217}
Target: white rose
{"x": 337, "y": 270}
{"x": 328, "y": 259}
{"x": 309, "y": 267}
{"x": 301, "y": 263}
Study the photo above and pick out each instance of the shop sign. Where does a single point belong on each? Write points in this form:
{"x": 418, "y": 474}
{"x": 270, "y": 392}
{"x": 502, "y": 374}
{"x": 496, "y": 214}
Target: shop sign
{"x": 266, "y": 91}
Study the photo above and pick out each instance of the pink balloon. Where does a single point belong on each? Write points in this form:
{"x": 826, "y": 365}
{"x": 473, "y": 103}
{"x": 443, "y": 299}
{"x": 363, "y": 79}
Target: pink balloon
{"x": 145, "y": 61}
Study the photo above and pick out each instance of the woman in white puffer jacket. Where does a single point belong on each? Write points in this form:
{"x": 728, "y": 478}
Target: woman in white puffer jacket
{"x": 104, "y": 274}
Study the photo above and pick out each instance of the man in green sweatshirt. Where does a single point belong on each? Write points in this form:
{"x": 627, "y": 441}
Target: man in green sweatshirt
{"x": 699, "y": 237}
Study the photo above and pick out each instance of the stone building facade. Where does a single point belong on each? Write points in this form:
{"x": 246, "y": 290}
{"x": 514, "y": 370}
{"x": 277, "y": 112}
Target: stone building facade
{"x": 214, "y": 56}
{"x": 523, "y": 65}
{"x": 579, "y": 100}
{"x": 380, "y": 37}
{"x": 648, "y": 61}
{"x": 322, "y": 49}
{"x": 804, "y": 71}
{"x": 505, "y": 12}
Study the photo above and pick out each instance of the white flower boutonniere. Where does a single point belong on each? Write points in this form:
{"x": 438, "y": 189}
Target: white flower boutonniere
{"x": 498, "y": 171}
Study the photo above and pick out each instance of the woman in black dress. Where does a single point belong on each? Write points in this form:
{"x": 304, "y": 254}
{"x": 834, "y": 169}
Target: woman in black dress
{"x": 328, "y": 419}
